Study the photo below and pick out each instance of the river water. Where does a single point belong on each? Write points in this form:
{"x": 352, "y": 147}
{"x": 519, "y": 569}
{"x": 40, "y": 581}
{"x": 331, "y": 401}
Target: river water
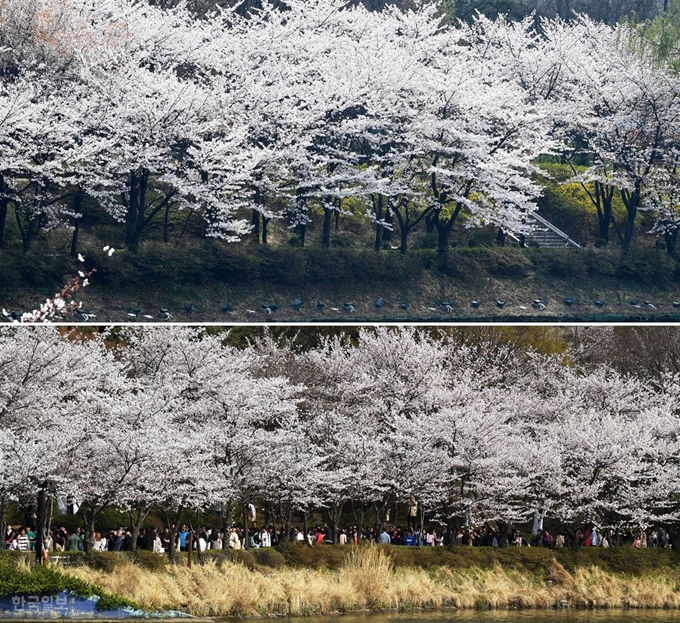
{"x": 506, "y": 616}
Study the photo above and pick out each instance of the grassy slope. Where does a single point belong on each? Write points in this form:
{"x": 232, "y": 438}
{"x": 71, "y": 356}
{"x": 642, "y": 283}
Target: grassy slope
{"x": 339, "y": 579}
{"x": 207, "y": 276}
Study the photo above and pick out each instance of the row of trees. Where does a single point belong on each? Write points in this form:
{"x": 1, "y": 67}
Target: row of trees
{"x": 173, "y": 419}
{"x": 241, "y": 119}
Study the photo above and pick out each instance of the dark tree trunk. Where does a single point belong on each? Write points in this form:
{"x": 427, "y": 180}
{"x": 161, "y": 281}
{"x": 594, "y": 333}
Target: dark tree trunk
{"x": 186, "y": 224}
{"x": 3, "y": 519}
{"x": 327, "y": 220}
{"x": 132, "y": 204}
{"x": 671, "y": 239}
{"x": 4, "y": 203}
{"x": 285, "y": 530}
{"x": 49, "y": 506}
{"x": 166, "y": 224}
{"x": 576, "y": 539}
{"x": 387, "y": 231}
{"x": 305, "y": 528}
{"x": 604, "y": 195}
{"x": 172, "y": 554}
{"x": 255, "y": 222}
{"x": 444, "y": 227}
{"x": 442, "y": 237}
{"x": 631, "y": 200}
{"x": 334, "y": 513}
{"x": 301, "y": 213}
{"x": 137, "y": 517}
{"x": 430, "y": 222}
{"x": 503, "y": 529}
{"x": 358, "y": 518}
{"x": 136, "y": 529}
{"x": 603, "y": 231}
{"x": 286, "y": 517}
{"x": 136, "y": 217}
{"x": 265, "y": 229}
{"x": 500, "y": 238}
{"x": 25, "y": 234}
{"x": 403, "y": 247}
{"x": 40, "y": 527}
{"x": 378, "y": 209}
{"x": 246, "y": 532}
{"x": 77, "y": 206}
{"x": 401, "y": 210}
{"x": 74, "y": 238}
{"x": 90, "y": 517}
{"x": 227, "y": 515}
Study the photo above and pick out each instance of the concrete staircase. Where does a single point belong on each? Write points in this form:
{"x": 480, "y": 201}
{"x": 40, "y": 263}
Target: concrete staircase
{"x": 545, "y": 234}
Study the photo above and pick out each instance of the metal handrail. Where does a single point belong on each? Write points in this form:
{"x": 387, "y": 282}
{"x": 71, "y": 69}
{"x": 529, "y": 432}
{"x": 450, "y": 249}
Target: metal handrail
{"x": 550, "y": 226}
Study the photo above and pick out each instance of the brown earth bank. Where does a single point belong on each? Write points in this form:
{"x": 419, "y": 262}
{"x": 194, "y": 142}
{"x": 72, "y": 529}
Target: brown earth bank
{"x": 377, "y": 578}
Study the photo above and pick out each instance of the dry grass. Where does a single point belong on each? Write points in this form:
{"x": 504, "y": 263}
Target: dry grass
{"x": 368, "y": 580}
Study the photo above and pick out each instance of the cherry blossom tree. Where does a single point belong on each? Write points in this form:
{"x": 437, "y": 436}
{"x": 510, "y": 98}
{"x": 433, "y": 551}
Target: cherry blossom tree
{"x": 173, "y": 418}
{"x": 53, "y": 389}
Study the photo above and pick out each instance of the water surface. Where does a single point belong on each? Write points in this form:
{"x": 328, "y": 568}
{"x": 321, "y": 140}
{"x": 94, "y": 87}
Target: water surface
{"x": 505, "y": 616}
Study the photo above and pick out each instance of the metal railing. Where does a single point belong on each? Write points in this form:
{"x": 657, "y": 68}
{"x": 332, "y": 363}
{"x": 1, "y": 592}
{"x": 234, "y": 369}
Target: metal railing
{"x": 559, "y": 232}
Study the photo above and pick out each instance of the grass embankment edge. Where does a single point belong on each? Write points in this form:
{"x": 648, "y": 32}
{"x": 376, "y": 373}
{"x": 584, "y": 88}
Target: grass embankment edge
{"x": 18, "y": 577}
{"x": 331, "y": 580}
{"x": 202, "y": 278}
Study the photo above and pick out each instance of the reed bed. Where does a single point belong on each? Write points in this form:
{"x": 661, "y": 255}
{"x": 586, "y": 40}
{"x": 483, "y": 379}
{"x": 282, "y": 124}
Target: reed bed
{"x": 368, "y": 580}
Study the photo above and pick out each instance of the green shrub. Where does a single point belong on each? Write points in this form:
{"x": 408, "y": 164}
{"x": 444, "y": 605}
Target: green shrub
{"x": 149, "y": 560}
{"x": 506, "y": 262}
{"x": 283, "y": 265}
{"x": 485, "y": 237}
{"x": 452, "y": 263}
{"x": 559, "y": 262}
{"x": 43, "y": 580}
{"x": 346, "y": 240}
{"x": 345, "y": 265}
{"x": 238, "y": 556}
{"x": 603, "y": 261}
{"x": 647, "y": 265}
{"x": 106, "y": 561}
{"x": 428, "y": 241}
{"x": 317, "y": 557}
{"x": 16, "y": 559}
{"x": 235, "y": 263}
{"x": 628, "y": 560}
{"x": 268, "y": 557}
{"x": 329, "y": 265}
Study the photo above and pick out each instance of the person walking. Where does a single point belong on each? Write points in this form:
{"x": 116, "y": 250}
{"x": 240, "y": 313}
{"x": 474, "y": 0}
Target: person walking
{"x": 412, "y": 512}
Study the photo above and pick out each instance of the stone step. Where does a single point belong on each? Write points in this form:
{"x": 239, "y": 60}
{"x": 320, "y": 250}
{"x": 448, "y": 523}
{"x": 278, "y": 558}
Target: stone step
{"x": 545, "y": 236}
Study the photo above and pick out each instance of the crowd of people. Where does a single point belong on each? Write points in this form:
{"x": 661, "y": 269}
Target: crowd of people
{"x": 592, "y": 537}
{"x": 161, "y": 541}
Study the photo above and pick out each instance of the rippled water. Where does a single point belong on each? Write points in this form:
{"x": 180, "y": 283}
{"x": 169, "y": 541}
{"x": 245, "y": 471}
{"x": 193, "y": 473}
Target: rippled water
{"x": 506, "y": 616}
